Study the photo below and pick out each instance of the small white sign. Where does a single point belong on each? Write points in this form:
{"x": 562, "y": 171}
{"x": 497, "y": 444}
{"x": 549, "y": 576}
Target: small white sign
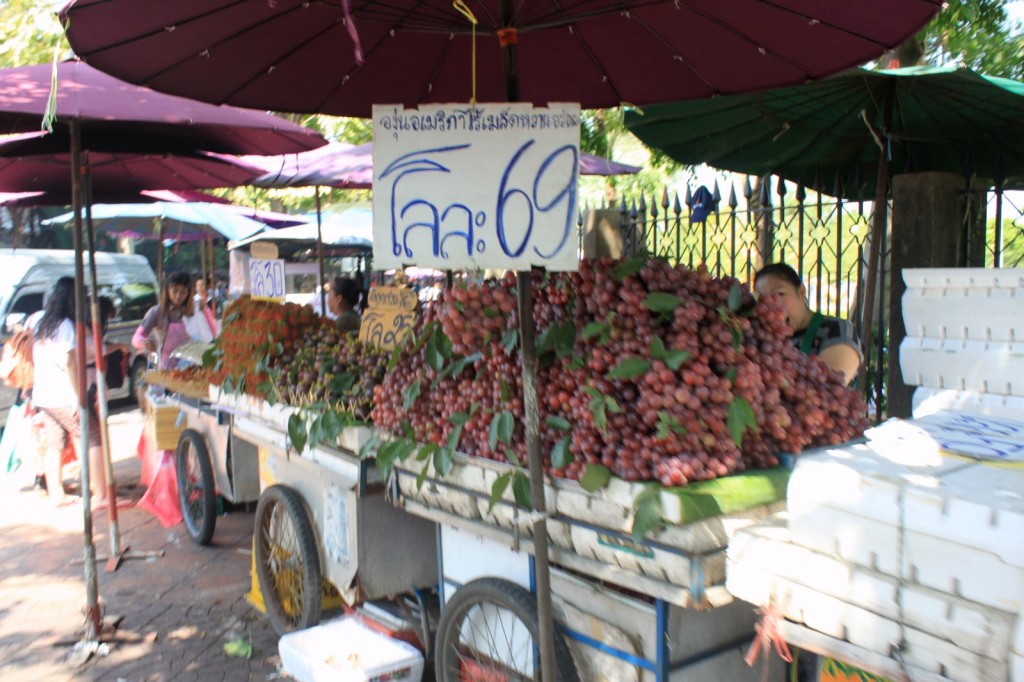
{"x": 266, "y": 279}
{"x": 459, "y": 186}
{"x": 960, "y": 433}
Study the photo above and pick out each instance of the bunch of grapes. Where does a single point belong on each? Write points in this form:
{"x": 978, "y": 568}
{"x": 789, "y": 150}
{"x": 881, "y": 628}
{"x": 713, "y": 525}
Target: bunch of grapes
{"x": 653, "y": 371}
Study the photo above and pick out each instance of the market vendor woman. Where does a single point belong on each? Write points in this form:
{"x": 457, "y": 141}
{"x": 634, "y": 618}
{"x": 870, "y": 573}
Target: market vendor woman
{"x": 343, "y": 300}
{"x": 830, "y": 338}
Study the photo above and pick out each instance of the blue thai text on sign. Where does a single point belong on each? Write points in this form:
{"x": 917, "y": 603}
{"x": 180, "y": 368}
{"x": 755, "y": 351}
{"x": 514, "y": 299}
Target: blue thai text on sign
{"x": 459, "y": 186}
{"x": 266, "y": 279}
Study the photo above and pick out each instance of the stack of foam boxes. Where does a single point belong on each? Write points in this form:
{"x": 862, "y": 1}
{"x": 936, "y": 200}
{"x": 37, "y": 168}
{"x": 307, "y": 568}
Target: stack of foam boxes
{"x": 895, "y": 555}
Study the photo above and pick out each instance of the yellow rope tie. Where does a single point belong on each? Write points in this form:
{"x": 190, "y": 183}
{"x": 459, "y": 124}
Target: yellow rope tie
{"x": 464, "y": 10}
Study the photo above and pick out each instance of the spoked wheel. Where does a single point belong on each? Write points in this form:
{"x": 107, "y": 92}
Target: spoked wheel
{"x": 489, "y": 631}
{"x": 196, "y": 488}
{"x": 287, "y": 560}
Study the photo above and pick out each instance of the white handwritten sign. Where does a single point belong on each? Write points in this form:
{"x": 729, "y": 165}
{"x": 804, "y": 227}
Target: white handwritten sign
{"x": 459, "y": 186}
{"x": 961, "y": 433}
{"x": 266, "y": 279}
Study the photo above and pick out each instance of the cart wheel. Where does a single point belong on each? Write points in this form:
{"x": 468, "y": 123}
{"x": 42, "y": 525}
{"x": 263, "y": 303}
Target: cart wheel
{"x": 196, "y": 488}
{"x": 489, "y": 630}
{"x": 287, "y": 560}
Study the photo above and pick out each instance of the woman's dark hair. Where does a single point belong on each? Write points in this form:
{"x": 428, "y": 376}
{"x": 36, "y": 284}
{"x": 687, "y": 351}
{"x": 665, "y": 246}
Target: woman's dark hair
{"x": 59, "y": 307}
{"x": 348, "y": 289}
{"x": 177, "y": 279}
{"x": 781, "y": 271}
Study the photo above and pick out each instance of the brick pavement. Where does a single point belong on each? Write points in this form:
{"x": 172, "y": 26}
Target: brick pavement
{"x": 178, "y": 610}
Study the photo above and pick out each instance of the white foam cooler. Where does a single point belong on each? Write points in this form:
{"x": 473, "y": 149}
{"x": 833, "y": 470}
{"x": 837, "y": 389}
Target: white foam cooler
{"x": 916, "y": 535}
{"x": 345, "y": 650}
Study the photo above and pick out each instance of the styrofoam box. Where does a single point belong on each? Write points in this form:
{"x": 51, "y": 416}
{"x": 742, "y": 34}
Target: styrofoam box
{"x": 965, "y": 365}
{"x": 860, "y": 480}
{"x": 768, "y": 550}
{"x": 964, "y": 303}
{"x": 929, "y": 400}
{"x": 981, "y": 506}
{"x": 345, "y": 650}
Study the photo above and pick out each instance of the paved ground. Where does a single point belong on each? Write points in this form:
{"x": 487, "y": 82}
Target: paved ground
{"x": 178, "y": 610}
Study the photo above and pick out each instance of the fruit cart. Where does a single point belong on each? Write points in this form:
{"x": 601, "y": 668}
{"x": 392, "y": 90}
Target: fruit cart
{"x": 319, "y": 520}
{"x": 628, "y": 609}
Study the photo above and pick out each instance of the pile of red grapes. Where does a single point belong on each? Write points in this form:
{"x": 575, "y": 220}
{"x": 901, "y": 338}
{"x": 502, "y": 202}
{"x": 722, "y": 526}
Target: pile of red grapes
{"x": 653, "y": 371}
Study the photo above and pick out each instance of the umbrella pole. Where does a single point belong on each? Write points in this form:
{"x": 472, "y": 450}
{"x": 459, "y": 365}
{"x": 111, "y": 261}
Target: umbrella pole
{"x": 531, "y": 408}
{"x": 879, "y": 219}
{"x": 92, "y": 607}
{"x": 158, "y": 228}
{"x": 320, "y": 253}
{"x": 212, "y": 284}
{"x": 101, "y": 371}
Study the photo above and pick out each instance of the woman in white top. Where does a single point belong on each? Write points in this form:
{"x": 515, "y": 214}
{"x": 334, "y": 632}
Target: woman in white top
{"x": 55, "y": 393}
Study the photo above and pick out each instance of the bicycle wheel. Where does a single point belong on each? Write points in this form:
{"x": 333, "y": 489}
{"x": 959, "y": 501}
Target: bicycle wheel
{"x": 196, "y": 488}
{"x": 489, "y": 631}
{"x": 287, "y": 560}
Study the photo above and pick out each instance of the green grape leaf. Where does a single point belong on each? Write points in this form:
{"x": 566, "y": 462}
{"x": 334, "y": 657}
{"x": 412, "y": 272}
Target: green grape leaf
{"x": 459, "y": 418}
{"x": 741, "y": 417}
{"x": 421, "y": 477}
{"x": 407, "y": 429}
{"x": 731, "y": 374}
{"x": 595, "y": 329}
{"x": 629, "y": 368}
{"x": 297, "y": 431}
{"x": 454, "y": 437}
{"x": 426, "y": 452}
{"x": 370, "y": 445}
{"x": 625, "y": 268}
{"x": 498, "y": 489}
{"x": 658, "y": 350}
{"x": 504, "y": 391}
{"x": 558, "y": 423}
{"x": 511, "y": 456}
{"x": 595, "y": 477}
{"x": 510, "y": 340}
{"x": 646, "y": 512}
{"x": 735, "y": 297}
{"x": 443, "y": 459}
{"x": 660, "y": 302}
{"x": 675, "y": 358}
{"x": 341, "y": 383}
{"x": 561, "y": 456}
{"x": 521, "y": 490}
{"x": 502, "y": 426}
{"x": 410, "y": 394}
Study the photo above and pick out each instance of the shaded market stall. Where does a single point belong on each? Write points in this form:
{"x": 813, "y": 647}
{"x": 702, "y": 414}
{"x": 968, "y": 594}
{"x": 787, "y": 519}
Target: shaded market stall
{"x": 90, "y": 111}
{"x": 611, "y": 58}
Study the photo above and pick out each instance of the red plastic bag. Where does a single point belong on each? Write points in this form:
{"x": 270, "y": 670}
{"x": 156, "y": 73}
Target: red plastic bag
{"x": 161, "y": 498}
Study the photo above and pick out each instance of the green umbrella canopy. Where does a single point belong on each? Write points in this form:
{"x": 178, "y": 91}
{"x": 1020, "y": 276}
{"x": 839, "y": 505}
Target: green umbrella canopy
{"x": 828, "y": 135}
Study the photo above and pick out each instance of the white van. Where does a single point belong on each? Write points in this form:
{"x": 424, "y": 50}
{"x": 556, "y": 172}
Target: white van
{"x": 27, "y": 277}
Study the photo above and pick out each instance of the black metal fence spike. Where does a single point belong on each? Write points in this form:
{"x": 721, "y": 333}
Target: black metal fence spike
{"x": 837, "y": 186}
{"x": 733, "y": 203}
{"x": 689, "y": 195}
{"x": 766, "y": 191}
{"x": 748, "y": 191}
{"x": 781, "y": 189}
{"x": 664, "y": 197}
{"x": 801, "y": 192}
{"x": 716, "y": 195}
{"x": 677, "y": 206}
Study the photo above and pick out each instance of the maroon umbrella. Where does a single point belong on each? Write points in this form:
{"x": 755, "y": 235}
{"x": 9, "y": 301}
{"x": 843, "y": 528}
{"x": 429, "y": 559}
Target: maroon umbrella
{"x": 112, "y": 112}
{"x": 346, "y": 167}
{"x": 122, "y": 175}
{"x": 295, "y": 55}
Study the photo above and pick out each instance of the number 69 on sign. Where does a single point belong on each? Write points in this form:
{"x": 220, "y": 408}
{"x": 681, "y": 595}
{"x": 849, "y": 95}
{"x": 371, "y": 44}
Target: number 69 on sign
{"x": 266, "y": 279}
